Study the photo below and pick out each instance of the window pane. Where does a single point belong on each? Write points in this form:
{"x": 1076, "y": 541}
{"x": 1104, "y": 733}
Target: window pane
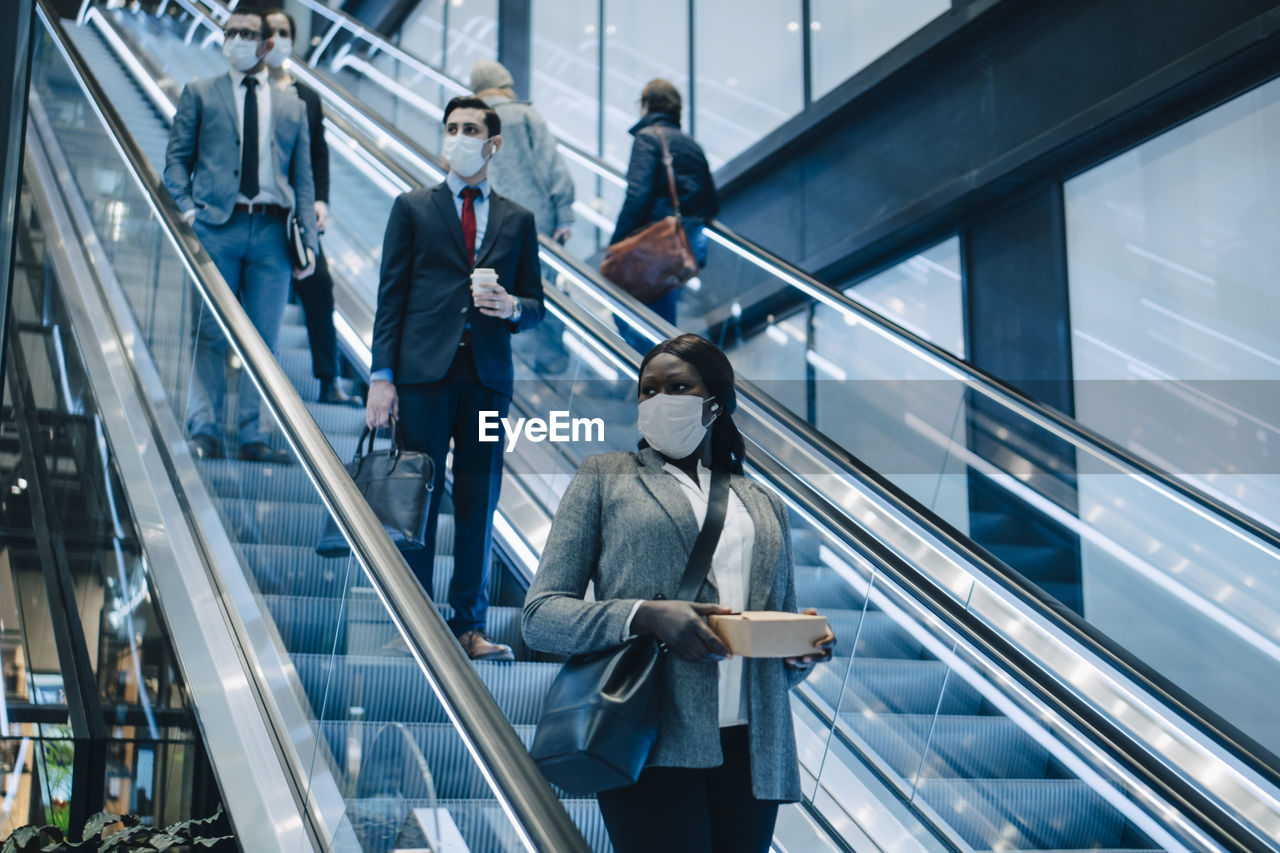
{"x": 642, "y": 41}
{"x": 848, "y": 35}
{"x": 749, "y": 77}
{"x": 922, "y": 294}
{"x": 566, "y": 87}
{"x": 423, "y": 35}
{"x": 473, "y": 34}
{"x": 1172, "y": 252}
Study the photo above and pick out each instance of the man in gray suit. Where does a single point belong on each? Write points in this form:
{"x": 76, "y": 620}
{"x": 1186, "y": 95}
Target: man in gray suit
{"x": 238, "y": 164}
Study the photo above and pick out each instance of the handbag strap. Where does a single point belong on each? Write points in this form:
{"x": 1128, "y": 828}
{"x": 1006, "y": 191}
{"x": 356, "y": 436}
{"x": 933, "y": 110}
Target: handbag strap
{"x": 705, "y": 545}
{"x": 671, "y": 175}
{"x": 368, "y": 435}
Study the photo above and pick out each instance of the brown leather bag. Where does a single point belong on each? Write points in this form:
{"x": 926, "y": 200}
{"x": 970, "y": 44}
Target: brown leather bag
{"x": 657, "y": 259}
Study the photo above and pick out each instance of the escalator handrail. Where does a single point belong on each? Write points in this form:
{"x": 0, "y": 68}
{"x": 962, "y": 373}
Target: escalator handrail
{"x": 844, "y": 462}
{"x": 1003, "y": 393}
{"x": 521, "y": 790}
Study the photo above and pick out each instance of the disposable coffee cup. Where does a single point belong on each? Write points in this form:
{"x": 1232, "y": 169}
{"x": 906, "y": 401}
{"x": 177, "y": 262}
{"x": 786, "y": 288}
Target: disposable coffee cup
{"x": 482, "y": 279}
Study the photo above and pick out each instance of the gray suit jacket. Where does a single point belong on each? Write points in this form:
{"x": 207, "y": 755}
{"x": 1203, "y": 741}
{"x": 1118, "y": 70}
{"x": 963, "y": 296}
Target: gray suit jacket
{"x": 625, "y": 524}
{"x": 202, "y": 162}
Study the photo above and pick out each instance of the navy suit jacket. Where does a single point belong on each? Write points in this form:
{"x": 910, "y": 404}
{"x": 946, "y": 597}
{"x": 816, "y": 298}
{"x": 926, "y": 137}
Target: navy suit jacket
{"x": 424, "y": 295}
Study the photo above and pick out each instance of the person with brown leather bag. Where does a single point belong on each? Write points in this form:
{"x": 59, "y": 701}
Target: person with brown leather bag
{"x": 658, "y": 242}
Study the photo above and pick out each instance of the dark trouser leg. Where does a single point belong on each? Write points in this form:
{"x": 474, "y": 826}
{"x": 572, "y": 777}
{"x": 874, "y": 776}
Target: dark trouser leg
{"x": 739, "y": 822}
{"x": 477, "y": 480}
{"x": 665, "y": 810}
{"x": 679, "y": 810}
{"x": 316, "y": 295}
{"x": 427, "y": 412}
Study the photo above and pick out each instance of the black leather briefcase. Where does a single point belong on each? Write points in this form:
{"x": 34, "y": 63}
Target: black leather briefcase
{"x": 397, "y": 484}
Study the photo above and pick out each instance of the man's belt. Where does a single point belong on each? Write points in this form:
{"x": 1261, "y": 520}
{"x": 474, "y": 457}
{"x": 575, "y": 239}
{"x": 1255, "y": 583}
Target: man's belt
{"x": 266, "y": 209}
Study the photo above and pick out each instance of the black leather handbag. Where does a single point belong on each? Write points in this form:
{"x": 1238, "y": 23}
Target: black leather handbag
{"x": 600, "y": 715}
{"x": 397, "y": 485}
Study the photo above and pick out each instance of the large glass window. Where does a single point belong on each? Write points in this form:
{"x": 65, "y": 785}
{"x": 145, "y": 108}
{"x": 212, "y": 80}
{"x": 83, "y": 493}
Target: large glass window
{"x": 423, "y": 34}
{"x": 643, "y": 41}
{"x": 922, "y": 294}
{"x": 566, "y": 69}
{"x": 848, "y": 35}
{"x": 748, "y": 69}
{"x": 1173, "y": 250}
{"x": 472, "y": 34}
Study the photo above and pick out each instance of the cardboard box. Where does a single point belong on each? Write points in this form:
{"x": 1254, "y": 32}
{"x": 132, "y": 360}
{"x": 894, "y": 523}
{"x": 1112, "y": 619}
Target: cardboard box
{"x": 769, "y": 633}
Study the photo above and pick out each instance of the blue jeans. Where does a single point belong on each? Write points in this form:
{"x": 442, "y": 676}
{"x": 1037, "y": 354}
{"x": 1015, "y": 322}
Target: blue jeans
{"x": 252, "y": 255}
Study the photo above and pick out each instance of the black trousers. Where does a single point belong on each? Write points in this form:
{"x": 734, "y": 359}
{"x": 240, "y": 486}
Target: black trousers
{"x": 685, "y": 810}
{"x": 316, "y": 295}
{"x": 432, "y": 414}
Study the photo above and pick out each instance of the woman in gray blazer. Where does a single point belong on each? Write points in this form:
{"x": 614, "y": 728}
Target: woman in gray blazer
{"x": 725, "y": 756}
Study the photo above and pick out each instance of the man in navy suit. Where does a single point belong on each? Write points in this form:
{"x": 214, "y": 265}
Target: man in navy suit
{"x": 239, "y": 165}
{"x": 442, "y": 356}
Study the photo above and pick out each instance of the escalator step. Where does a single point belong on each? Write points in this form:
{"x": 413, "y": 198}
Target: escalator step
{"x": 819, "y": 586}
{"x": 879, "y": 686}
{"x": 1052, "y": 814}
{"x": 299, "y": 571}
{"x": 360, "y": 624}
{"x": 959, "y": 746}
{"x": 391, "y": 687}
{"x": 876, "y": 633}
{"x": 483, "y": 824}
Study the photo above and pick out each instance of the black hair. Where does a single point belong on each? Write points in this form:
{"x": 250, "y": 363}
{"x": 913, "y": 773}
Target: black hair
{"x": 276, "y": 10}
{"x": 727, "y": 446}
{"x": 248, "y": 9}
{"x": 469, "y": 102}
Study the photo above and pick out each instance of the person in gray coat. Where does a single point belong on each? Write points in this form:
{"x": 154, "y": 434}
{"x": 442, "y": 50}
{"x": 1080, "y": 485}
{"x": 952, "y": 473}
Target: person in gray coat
{"x": 725, "y": 755}
{"x": 529, "y": 169}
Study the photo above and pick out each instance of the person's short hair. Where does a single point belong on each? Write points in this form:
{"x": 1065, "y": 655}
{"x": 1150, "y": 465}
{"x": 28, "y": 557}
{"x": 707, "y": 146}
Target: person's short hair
{"x": 469, "y": 102}
{"x": 661, "y": 96}
{"x": 256, "y": 12}
{"x": 293, "y": 25}
{"x": 728, "y": 449}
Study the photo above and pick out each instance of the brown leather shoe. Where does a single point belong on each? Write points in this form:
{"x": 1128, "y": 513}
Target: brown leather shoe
{"x": 480, "y": 647}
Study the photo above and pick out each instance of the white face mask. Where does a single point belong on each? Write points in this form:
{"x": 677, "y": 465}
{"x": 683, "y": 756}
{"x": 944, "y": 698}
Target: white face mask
{"x": 465, "y": 154}
{"x": 281, "y": 49}
{"x": 241, "y": 54}
{"x": 672, "y": 423}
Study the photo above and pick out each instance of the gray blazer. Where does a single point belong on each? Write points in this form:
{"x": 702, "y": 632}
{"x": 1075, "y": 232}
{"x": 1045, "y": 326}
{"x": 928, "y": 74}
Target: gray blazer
{"x": 202, "y": 162}
{"x": 625, "y": 524}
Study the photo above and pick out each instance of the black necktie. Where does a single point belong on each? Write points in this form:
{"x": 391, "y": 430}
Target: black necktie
{"x": 249, "y": 152}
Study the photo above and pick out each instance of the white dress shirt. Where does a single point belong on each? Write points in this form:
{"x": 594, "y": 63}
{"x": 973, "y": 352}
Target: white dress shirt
{"x": 730, "y": 572}
{"x": 268, "y": 192}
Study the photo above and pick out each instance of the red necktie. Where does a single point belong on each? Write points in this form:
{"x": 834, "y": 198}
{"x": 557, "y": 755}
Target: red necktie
{"x": 469, "y": 196}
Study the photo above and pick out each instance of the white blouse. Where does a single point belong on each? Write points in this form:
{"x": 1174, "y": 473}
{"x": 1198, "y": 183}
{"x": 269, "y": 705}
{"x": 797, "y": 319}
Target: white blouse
{"x": 730, "y": 572}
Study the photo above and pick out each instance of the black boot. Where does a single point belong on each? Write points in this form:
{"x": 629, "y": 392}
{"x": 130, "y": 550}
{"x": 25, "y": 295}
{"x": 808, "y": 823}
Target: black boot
{"x": 330, "y": 392}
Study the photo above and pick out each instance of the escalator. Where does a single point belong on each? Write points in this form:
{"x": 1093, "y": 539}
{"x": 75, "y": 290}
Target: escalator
{"x": 1085, "y": 521}
{"x": 923, "y": 728}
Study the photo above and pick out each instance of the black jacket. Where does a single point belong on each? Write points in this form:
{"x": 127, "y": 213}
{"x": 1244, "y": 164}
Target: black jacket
{"x": 319, "y": 147}
{"x": 648, "y": 198}
{"x": 424, "y": 296}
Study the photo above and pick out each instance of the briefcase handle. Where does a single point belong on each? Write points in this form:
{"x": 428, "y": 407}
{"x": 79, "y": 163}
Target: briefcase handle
{"x": 397, "y": 438}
